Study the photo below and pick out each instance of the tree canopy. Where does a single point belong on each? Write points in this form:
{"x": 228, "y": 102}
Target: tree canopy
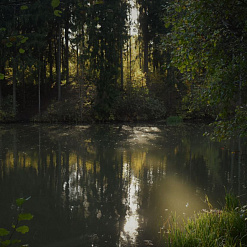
{"x": 208, "y": 46}
{"x": 74, "y": 60}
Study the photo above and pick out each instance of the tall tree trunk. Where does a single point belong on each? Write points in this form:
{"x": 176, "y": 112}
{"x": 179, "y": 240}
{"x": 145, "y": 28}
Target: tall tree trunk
{"x": 67, "y": 44}
{"x": 44, "y": 78}
{"x": 1, "y": 81}
{"x": 14, "y": 72}
{"x": 1, "y": 97}
{"x": 145, "y": 44}
{"x": 59, "y": 62}
{"x": 77, "y": 64}
{"x": 121, "y": 56}
{"x": 23, "y": 87}
{"x": 130, "y": 60}
{"x": 62, "y": 53}
{"x": 50, "y": 60}
{"x": 81, "y": 79}
{"x": 2, "y": 70}
{"x": 145, "y": 40}
{"x": 14, "y": 85}
{"x": 140, "y": 55}
{"x": 122, "y": 73}
{"x": 39, "y": 80}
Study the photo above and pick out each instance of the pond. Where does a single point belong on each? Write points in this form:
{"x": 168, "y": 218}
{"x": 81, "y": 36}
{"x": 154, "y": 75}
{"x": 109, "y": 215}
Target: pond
{"x": 113, "y": 185}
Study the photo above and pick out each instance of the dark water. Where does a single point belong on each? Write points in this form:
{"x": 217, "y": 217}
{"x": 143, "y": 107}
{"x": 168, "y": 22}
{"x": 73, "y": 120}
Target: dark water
{"x": 113, "y": 185}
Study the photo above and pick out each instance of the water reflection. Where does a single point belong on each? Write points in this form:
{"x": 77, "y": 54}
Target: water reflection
{"x": 129, "y": 232}
{"x": 109, "y": 185}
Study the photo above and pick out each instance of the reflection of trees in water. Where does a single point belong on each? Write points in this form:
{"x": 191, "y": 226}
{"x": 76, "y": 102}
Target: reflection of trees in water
{"x": 81, "y": 179}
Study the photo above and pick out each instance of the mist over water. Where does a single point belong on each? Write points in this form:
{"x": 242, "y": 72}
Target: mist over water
{"x": 113, "y": 185}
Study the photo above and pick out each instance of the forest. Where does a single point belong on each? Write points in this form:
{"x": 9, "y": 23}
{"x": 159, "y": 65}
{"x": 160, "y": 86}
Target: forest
{"x": 124, "y": 60}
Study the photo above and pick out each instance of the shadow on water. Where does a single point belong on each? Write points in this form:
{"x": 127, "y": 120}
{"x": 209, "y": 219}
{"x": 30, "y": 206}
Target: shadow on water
{"x": 113, "y": 185}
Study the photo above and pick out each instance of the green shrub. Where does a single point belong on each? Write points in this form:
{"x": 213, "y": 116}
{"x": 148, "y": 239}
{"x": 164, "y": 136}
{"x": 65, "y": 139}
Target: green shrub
{"x": 138, "y": 105}
{"x": 6, "y": 110}
{"x": 63, "y": 111}
{"x": 174, "y": 120}
{"x": 231, "y": 202}
{"x": 7, "y": 236}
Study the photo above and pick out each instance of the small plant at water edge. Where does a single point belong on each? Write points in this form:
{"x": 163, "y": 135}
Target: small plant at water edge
{"x": 7, "y": 236}
{"x": 227, "y": 227}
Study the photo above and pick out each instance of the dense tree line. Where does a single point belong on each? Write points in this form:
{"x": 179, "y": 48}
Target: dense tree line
{"x": 207, "y": 41}
{"x": 74, "y": 60}
{"x": 66, "y": 60}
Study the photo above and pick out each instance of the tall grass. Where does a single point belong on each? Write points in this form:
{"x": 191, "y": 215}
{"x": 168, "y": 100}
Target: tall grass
{"x": 227, "y": 227}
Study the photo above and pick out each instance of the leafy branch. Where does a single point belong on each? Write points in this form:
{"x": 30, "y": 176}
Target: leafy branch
{"x": 6, "y": 236}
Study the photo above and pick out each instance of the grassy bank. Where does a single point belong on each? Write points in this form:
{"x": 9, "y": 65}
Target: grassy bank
{"x": 226, "y": 227}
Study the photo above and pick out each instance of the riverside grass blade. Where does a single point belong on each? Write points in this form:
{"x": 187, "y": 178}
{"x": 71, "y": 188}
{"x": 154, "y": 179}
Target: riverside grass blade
{"x": 227, "y": 227}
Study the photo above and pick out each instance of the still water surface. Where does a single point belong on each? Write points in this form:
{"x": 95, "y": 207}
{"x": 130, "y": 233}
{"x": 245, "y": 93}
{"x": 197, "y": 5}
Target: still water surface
{"x": 113, "y": 185}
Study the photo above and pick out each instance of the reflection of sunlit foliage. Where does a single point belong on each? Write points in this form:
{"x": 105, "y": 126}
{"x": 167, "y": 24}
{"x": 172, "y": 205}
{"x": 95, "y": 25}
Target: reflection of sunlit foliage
{"x": 124, "y": 177}
{"x": 131, "y": 225}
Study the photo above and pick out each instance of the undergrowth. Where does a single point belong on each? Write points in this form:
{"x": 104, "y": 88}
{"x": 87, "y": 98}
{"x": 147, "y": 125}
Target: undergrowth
{"x": 213, "y": 227}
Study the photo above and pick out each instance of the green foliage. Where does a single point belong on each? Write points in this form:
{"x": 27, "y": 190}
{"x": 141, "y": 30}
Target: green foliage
{"x": 206, "y": 44}
{"x": 55, "y": 3}
{"x": 225, "y": 129}
{"x": 211, "y": 228}
{"x": 6, "y": 236}
{"x": 24, "y": 7}
{"x": 20, "y": 201}
{"x": 95, "y": 42}
{"x": 21, "y": 50}
{"x": 22, "y": 229}
{"x": 174, "y": 120}
{"x": 106, "y": 36}
{"x": 57, "y": 12}
{"x": 64, "y": 111}
{"x": 6, "y": 112}
{"x": 24, "y": 217}
{"x": 231, "y": 202}
{"x": 138, "y": 105}
{"x": 151, "y": 29}
{"x": 4, "y": 232}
